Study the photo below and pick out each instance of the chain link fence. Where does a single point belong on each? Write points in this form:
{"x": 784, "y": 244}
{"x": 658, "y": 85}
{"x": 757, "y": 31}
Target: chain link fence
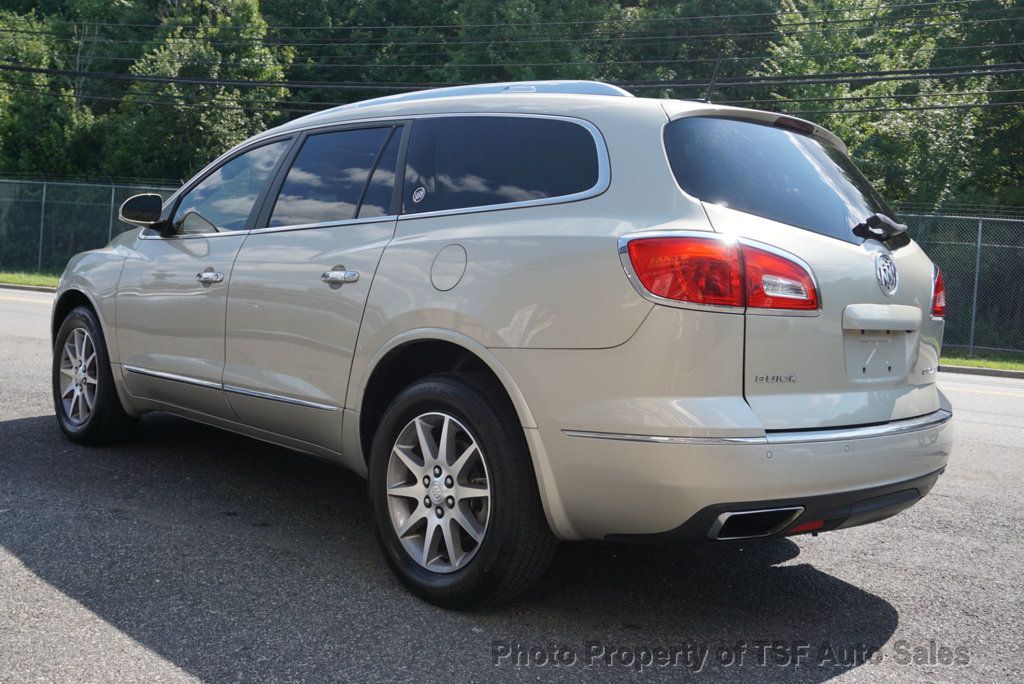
{"x": 981, "y": 259}
{"x": 44, "y": 223}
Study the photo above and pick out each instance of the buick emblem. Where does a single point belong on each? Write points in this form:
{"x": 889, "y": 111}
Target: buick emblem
{"x": 436, "y": 493}
{"x": 885, "y": 271}
{"x": 418, "y": 194}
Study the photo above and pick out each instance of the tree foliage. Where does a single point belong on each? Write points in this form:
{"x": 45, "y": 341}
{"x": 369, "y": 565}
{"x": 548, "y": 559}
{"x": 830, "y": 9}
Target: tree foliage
{"x": 135, "y": 122}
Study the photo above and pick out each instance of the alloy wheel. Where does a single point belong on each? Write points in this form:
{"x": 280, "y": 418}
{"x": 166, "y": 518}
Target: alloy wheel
{"x": 78, "y": 376}
{"x": 439, "y": 492}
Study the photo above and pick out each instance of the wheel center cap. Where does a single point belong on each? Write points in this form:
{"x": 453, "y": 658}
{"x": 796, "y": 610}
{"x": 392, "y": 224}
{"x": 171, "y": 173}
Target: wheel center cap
{"x": 436, "y": 492}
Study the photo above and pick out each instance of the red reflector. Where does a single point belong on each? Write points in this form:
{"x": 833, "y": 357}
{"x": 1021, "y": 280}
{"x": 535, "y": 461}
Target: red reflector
{"x": 689, "y": 269}
{"x": 775, "y": 282}
{"x": 809, "y": 526}
{"x": 939, "y": 295}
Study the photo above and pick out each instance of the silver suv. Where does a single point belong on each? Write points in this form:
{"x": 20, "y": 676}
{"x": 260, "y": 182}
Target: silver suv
{"x": 530, "y": 312}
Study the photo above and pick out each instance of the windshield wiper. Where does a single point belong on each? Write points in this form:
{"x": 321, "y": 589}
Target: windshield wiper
{"x": 878, "y": 226}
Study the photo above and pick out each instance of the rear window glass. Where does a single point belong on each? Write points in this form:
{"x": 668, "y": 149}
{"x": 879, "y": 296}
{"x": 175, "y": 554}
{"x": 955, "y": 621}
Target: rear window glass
{"x": 771, "y": 172}
{"x": 487, "y": 160}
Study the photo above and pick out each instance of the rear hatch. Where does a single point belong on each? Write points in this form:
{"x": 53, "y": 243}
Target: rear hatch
{"x": 868, "y": 356}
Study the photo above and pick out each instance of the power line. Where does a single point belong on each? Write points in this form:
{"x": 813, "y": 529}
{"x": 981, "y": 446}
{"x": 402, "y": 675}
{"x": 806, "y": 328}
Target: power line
{"x": 661, "y": 39}
{"x": 215, "y": 103}
{"x": 801, "y": 80}
{"x": 201, "y": 104}
{"x": 135, "y": 98}
{"x": 850, "y": 98}
{"x": 695, "y": 60}
{"x": 209, "y": 105}
{"x": 237, "y": 83}
{"x": 980, "y": 105}
{"x": 631, "y": 20}
{"x": 963, "y": 71}
{"x": 841, "y": 98}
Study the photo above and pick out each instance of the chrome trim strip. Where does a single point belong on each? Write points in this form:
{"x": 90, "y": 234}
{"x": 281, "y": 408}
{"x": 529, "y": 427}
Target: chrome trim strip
{"x": 634, "y": 280}
{"x": 274, "y": 229}
{"x": 277, "y": 397}
{"x": 174, "y": 377}
{"x": 721, "y": 520}
{"x": 190, "y": 236}
{"x": 663, "y": 439}
{"x": 604, "y": 174}
{"x": 602, "y": 184}
{"x": 895, "y": 427}
{"x": 324, "y": 224}
{"x": 301, "y": 126}
{"x": 227, "y": 388}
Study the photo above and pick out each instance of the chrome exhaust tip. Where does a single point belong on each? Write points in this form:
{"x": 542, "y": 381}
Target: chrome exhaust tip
{"x": 764, "y": 522}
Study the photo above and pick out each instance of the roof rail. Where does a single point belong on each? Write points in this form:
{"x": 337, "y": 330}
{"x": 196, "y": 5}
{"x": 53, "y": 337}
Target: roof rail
{"x": 556, "y": 87}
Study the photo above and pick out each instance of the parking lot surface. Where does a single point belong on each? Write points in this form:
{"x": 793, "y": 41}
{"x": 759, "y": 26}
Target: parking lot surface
{"x": 191, "y": 554}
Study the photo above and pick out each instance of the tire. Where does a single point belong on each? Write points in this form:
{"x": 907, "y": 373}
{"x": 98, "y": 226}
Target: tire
{"x": 80, "y": 340}
{"x": 516, "y": 543}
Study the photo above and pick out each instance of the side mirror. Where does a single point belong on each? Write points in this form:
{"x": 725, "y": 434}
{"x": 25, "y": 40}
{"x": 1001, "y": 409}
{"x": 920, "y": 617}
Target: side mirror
{"x": 142, "y": 210}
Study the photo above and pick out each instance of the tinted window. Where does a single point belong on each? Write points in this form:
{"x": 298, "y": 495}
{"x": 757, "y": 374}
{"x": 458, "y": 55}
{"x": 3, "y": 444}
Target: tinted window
{"x": 377, "y": 199}
{"x": 484, "y": 160}
{"x": 771, "y": 172}
{"x": 328, "y": 176}
{"x": 418, "y": 188}
{"x": 223, "y": 200}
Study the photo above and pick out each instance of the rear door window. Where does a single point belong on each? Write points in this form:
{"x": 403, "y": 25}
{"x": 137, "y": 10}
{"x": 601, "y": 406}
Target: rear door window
{"x": 771, "y": 172}
{"x": 377, "y": 198}
{"x": 327, "y": 178}
{"x": 479, "y": 161}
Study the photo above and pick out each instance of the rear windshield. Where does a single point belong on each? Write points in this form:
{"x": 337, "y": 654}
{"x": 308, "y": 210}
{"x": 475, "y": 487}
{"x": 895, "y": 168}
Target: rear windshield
{"x": 771, "y": 172}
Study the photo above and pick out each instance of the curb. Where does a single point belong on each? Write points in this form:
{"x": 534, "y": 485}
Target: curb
{"x": 992, "y": 372}
{"x": 27, "y": 288}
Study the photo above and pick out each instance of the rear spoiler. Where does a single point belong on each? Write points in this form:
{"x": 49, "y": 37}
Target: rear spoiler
{"x": 675, "y": 109}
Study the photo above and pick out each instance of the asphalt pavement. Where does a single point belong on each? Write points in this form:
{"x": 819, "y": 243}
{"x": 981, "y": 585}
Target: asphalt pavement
{"x": 191, "y": 554}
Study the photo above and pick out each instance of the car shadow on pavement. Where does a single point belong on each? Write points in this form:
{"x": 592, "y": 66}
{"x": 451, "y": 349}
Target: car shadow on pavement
{"x": 234, "y": 559}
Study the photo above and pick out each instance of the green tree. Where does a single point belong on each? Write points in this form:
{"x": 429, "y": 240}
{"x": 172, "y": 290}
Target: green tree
{"x": 996, "y": 174}
{"x": 40, "y": 124}
{"x": 171, "y": 129}
{"x": 917, "y": 156}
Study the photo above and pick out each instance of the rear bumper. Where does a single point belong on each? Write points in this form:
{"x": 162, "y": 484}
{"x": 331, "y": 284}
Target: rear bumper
{"x": 628, "y": 487}
{"x": 837, "y": 511}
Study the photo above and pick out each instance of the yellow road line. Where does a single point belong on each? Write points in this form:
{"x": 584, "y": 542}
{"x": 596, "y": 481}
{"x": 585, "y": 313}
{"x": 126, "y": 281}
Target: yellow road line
{"x": 954, "y": 388}
{"x": 8, "y": 298}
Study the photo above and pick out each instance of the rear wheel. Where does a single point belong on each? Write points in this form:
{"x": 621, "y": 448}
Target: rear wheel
{"x": 84, "y": 397}
{"x": 455, "y": 499}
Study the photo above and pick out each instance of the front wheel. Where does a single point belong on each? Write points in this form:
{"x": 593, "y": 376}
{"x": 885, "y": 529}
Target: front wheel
{"x": 84, "y": 397}
{"x": 454, "y": 495}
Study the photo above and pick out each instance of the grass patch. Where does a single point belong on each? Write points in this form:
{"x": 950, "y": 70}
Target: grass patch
{"x": 981, "y": 359}
{"x": 19, "y": 278}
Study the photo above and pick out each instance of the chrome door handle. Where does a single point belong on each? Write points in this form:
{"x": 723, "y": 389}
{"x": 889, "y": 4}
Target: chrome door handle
{"x": 339, "y": 277}
{"x": 207, "y": 277}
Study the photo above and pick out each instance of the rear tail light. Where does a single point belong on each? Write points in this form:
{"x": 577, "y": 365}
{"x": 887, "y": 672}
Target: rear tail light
{"x": 721, "y": 272}
{"x": 775, "y": 282}
{"x": 697, "y": 270}
{"x": 939, "y": 295}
